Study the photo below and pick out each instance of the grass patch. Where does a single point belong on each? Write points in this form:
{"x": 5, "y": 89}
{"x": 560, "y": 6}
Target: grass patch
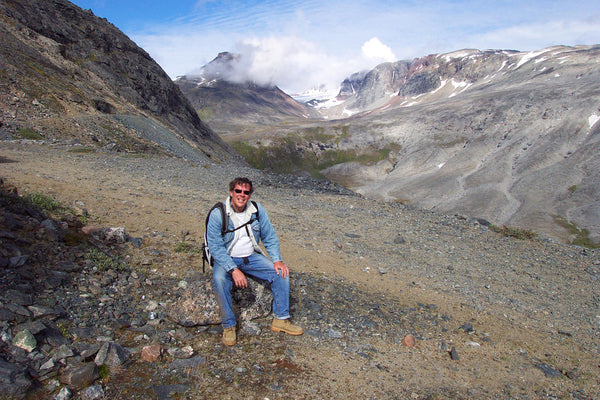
{"x": 103, "y": 261}
{"x": 29, "y": 133}
{"x": 104, "y": 371}
{"x": 517, "y": 233}
{"x": 290, "y": 155}
{"x": 45, "y": 202}
{"x": 83, "y": 150}
{"x": 317, "y": 134}
{"x": 581, "y": 236}
{"x": 185, "y": 247}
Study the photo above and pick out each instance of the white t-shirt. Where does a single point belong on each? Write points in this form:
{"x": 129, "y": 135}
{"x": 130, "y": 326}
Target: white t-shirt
{"x": 243, "y": 247}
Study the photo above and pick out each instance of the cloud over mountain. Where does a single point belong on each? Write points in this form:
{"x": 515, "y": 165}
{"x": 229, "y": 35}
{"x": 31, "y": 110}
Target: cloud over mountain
{"x": 298, "y": 46}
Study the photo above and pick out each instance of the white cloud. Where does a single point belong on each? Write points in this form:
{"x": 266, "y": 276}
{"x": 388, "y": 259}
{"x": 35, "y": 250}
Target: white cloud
{"x": 540, "y": 35}
{"x": 301, "y": 45}
{"x": 292, "y": 63}
{"x": 374, "y": 49}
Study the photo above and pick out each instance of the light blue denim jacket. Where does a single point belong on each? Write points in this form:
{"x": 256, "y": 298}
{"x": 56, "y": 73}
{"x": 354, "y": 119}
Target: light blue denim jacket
{"x": 262, "y": 229}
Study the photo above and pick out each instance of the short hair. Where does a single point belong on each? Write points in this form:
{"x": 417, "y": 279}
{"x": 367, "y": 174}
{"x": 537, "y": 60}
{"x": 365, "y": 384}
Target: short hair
{"x": 241, "y": 181}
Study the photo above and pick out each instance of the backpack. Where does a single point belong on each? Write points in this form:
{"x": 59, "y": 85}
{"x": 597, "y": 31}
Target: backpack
{"x": 206, "y": 256}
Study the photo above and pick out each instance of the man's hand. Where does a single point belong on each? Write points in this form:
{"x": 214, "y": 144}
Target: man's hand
{"x": 282, "y": 269}
{"x": 239, "y": 279}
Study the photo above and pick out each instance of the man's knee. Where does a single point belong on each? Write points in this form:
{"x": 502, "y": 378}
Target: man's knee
{"x": 279, "y": 280}
{"x": 220, "y": 279}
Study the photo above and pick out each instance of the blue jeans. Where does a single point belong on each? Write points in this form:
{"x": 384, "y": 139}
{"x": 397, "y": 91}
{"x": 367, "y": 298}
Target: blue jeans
{"x": 261, "y": 268}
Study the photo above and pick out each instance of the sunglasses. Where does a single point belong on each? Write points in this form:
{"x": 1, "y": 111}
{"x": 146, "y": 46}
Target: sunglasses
{"x": 246, "y": 192}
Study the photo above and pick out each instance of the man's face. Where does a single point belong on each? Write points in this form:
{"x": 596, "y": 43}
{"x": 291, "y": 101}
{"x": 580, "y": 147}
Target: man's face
{"x": 240, "y": 196}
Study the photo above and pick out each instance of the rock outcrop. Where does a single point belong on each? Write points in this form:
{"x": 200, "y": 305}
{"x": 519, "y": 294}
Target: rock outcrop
{"x": 69, "y": 75}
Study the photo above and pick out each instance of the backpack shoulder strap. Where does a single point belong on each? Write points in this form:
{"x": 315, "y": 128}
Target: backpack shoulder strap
{"x": 256, "y": 206}
{"x": 224, "y": 222}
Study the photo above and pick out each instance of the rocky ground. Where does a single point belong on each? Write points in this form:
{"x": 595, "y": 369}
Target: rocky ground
{"x": 492, "y": 316}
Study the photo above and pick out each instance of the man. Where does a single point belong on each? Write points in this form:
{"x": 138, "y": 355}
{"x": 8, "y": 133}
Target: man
{"x": 237, "y": 254}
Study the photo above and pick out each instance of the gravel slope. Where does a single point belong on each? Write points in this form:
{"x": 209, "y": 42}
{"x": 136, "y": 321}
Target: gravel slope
{"x": 367, "y": 273}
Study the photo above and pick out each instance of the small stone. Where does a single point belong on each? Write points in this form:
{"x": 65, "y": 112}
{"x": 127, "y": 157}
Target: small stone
{"x": 275, "y": 386}
{"x": 39, "y": 311}
{"x": 399, "y": 240}
{"x": 25, "y": 340}
{"x": 333, "y": 334}
{"x": 48, "y": 365}
{"x": 170, "y": 391}
{"x": 152, "y": 353}
{"x": 63, "y": 394}
{"x": 193, "y": 362}
{"x": 64, "y": 351}
{"x": 52, "y": 385}
{"x": 409, "y": 341}
{"x": 79, "y": 376}
{"x": 549, "y": 372}
{"x": 454, "y": 354}
{"x": 251, "y": 328}
{"x": 92, "y": 393}
{"x": 152, "y": 305}
{"x": 112, "y": 354}
{"x": 181, "y": 353}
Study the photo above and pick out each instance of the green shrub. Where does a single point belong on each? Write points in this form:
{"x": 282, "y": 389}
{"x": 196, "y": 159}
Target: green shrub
{"x": 52, "y": 206}
{"x": 581, "y": 235}
{"x": 517, "y": 233}
{"x": 29, "y": 133}
{"x": 104, "y": 371}
{"x": 82, "y": 150}
{"x": 287, "y": 157}
{"x": 103, "y": 261}
{"x": 44, "y": 202}
{"x": 185, "y": 247}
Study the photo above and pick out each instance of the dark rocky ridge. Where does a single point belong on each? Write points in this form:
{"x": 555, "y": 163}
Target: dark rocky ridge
{"x": 68, "y": 74}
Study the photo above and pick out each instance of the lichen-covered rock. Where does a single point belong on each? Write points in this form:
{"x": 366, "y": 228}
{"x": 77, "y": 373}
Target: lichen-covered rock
{"x": 198, "y": 305}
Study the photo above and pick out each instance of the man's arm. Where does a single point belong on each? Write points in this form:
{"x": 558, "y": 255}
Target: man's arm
{"x": 216, "y": 243}
{"x": 268, "y": 236}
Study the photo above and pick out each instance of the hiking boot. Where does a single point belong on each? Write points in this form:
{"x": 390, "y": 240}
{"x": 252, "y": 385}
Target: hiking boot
{"x": 285, "y": 325}
{"x": 229, "y": 336}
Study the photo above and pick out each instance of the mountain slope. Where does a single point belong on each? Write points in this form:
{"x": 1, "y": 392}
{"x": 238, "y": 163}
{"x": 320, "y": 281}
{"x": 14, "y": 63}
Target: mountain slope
{"x": 230, "y": 103}
{"x": 507, "y": 136}
{"x": 67, "y": 74}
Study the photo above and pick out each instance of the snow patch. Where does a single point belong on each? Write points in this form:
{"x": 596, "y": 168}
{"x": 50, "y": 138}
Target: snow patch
{"x": 503, "y": 65}
{"x": 457, "y": 54}
{"x": 329, "y": 103}
{"x": 442, "y": 84}
{"x": 528, "y": 56}
{"x": 593, "y": 119}
{"x": 564, "y": 59}
{"x": 459, "y": 85}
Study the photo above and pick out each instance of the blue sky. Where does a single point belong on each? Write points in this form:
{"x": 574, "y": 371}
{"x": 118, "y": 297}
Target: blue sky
{"x": 300, "y": 44}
